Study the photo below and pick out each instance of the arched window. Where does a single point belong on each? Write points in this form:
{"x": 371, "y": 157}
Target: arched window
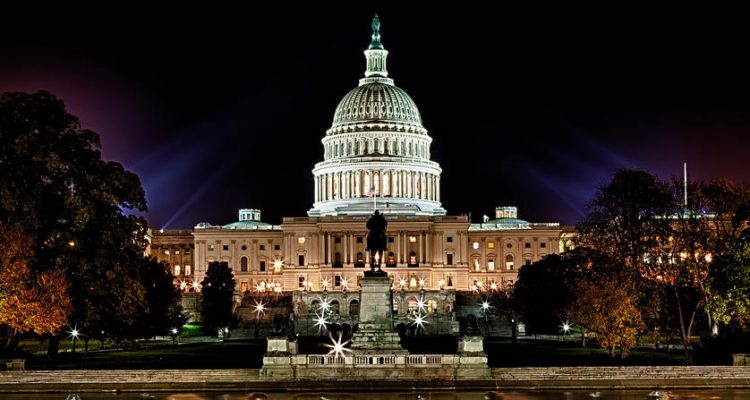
{"x": 354, "y": 307}
{"x": 187, "y": 270}
{"x": 432, "y": 306}
{"x": 314, "y": 306}
{"x": 176, "y": 270}
{"x": 413, "y": 281}
{"x": 360, "y": 258}
{"x": 391, "y": 258}
{"x": 335, "y": 307}
{"x": 509, "y": 262}
{"x": 243, "y": 264}
{"x": 411, "y": 305}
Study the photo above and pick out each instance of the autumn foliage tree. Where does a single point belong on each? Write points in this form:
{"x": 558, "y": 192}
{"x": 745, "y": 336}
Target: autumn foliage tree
{"x": 29, "y": 302}
{"x": 78, "y": 209}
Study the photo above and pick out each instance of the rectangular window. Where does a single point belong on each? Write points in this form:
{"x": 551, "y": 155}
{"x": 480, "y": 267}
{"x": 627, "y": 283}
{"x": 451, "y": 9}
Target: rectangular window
{"x": 301, "y": 260}
{"x": 243, "y": 287}
{"x": 527, "y": 261}
{"x": 337, "y": 280}
{"x": 262, "y": 247}
{"x": 211, "y": 247}
{"x": 543, "y": 245}
{"x": 166, "y": 252}
{"x": 527, "y": 245}
{"x": 449, "y": 259}
{"x": 188, "y": 270}
{"x": 359, "y": 239}
{"x": 187, "y": 252}
{"x": 301, "y": 281}
{"x": 225, "y": 247}
{"x": 277, "y": 247}
{"x": 390, "y": 239}
{"x": 262, "y": 266}
{"x": 337, "y": 239}
{"x": 412, "y": 239}
{"x": 491, "y": 264}
{"x": 449, "y": 239}
{"x": 490, "y": 245}
{"x": 177, "y": 252}
{"x": 301, "y": 240}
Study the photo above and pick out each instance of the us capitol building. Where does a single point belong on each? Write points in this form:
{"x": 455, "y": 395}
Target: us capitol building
{"x": 376, "y": 154}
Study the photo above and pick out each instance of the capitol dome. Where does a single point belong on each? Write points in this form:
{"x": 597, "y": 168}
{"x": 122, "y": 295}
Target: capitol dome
{"x": 376, "y": 152}
{"x": 377, "y": 102}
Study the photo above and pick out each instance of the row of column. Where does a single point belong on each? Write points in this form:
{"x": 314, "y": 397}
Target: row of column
{"x": 407, "y": 184}
{"x": 400, "y": 247}
{"x": 348, "y": 148}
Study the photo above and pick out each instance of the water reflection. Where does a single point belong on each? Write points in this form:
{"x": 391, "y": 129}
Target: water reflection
{"x": 437, "y": 395}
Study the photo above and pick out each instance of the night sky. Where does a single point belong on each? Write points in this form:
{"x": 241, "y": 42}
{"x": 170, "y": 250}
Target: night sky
{"x": 223, "y": 108}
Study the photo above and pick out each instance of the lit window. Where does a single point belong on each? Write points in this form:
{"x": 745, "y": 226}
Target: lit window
{"x": 475, "y": 245}
{"x": 411, "y": 305}
{"x": 413, "y": 258}
{"x": 301, "y": 240}
{"x": 166, "y": 252}
{"x": 490, "y": 245}
{"x": 413, "y": 282}
{"x": 431, "y": 306}
{"x": 491, "y": 264}
{"x": 412, "y": 239}
{"x": 177, "y": 270}
{"x": 211, "y": 247}
{"x": 187, "y": 270}
{"x": 244, "y": 287}
{"x": 177, "y": 252}
{"x": 476, "y": 265}
{"x": 509, "y": 262}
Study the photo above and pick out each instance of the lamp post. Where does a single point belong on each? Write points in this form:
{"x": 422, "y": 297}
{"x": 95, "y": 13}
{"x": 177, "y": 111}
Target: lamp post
{"x": 174, "y": 335}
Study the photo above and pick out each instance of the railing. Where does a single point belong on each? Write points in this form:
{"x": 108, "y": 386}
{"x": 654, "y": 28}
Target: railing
{"x": 435, "y": 360}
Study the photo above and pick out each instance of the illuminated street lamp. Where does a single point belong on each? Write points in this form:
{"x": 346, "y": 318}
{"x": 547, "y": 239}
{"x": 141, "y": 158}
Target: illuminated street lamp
{"x": 174, "y": 335}
{"x": 74, "y": 333}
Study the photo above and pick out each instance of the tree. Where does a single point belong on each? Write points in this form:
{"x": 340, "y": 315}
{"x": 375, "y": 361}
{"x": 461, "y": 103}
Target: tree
{"x": 605, "y": 302}
{"x": 55, "y": 186}
{"x": 163, "y": 299}
{"x": 730, "y": 277}
{"x": 29, "y": 302}
{"x": 217, "y": 290}
{"x": 543, "y": 291}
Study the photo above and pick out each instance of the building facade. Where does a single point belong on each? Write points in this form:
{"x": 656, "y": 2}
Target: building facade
{"x": 376, "y": 155}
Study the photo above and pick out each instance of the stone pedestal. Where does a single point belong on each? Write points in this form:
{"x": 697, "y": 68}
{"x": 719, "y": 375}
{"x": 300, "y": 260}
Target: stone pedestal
{"x": 277, "y": 362}
{"x": 472, "y": 360}
{"x": 375, "y": 330}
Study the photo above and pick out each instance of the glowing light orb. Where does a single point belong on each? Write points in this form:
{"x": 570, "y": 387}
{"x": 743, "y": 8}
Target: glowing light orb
{"x": 337, "y": 347}
{"x": 402, "y": 282}
{"x": 320, "y": 322}
{"x": 485, "y": 305}
{"x": 260, "y": 308}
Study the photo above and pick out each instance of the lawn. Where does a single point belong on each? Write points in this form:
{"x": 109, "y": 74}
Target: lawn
{"x": 538, "y": 353}
{"x": 248, "y": 353}
{"x": 229, "y": 354}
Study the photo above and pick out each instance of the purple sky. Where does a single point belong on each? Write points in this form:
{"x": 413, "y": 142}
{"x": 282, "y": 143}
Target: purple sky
{"x": 220, "y": 108}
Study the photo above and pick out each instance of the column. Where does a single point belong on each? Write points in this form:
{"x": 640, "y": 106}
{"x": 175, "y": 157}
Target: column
{"x": 429, "y": 256}
{"x": 398, "y": 246}
{"x": 351, "y": 248}
{"x": 437, "y": 188}
{"x": 328, "y": 248}
{"x": 345, "y": 245}
{"x": 421, "y": 248}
